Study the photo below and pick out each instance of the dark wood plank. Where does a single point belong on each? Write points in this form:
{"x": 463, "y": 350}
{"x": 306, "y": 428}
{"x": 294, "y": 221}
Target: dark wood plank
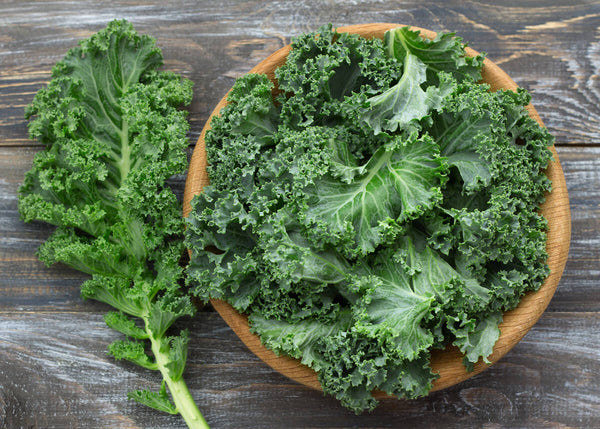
{"x": 547, "y": 47}
{"x": 54, "y": 370}
{"x": 55, "y": 376}
{"x": 578, "y": 289}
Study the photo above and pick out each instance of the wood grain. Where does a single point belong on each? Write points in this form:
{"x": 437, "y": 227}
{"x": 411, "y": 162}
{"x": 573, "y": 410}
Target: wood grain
{"x": 544, "y": 381}
{"x": 546, "y": 47}
{"x": 54, "y": 371}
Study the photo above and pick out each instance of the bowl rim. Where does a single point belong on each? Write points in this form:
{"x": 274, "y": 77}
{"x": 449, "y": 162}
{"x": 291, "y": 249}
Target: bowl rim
{"x": 448, "y": 362}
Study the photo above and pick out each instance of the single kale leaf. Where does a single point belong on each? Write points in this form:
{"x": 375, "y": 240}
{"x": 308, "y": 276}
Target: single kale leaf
{"x": 382, "y": 205}
{"x": 405, "y": 105}
{"x": 445, "y": 53}
{"x": 114, "y": 134}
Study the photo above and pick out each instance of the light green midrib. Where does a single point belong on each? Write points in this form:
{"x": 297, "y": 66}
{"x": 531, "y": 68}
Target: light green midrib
{"x": 374, "y": 171}
{"x": 180, "y": 394}
{"x": 123, "y": 159}
{"x": 363, "y": 184}
{"x": 124, "y": 162}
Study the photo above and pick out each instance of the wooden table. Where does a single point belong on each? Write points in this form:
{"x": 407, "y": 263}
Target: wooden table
{"x": 54, "y": 370}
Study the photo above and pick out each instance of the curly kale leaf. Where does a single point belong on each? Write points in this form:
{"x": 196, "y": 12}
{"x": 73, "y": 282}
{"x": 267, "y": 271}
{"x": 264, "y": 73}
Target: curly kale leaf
{"x": 445, "y": 53}
{"x": 114, "y": 134}
{"x": 406, "y": 104}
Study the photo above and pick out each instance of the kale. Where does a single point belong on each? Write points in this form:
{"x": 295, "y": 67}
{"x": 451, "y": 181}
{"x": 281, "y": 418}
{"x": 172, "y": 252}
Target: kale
{"x": 384, "y": 204}
{"x": 114, "y": 134}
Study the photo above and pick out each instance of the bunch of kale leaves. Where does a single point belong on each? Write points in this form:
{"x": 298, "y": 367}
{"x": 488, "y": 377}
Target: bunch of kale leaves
{"x": 376, "y": 204}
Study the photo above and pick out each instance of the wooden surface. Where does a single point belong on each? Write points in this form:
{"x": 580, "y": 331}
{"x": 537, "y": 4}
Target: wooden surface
{"x": 447, "y": 363}
{"x": 54, "y": 371}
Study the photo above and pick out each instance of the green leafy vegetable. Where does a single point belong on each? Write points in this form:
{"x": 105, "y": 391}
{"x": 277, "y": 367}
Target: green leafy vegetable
{"x": 114, "y": 135}
{"x": 383, "y": 205}
{"x": 403, "y": 105}
{"x": 399, "y": 181}
{"x": 445, "y": 53}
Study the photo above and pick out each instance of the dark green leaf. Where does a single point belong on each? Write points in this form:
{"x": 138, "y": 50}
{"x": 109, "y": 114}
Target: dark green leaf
{"x": 125, "y": 325}
{"x": 157, "y": 400}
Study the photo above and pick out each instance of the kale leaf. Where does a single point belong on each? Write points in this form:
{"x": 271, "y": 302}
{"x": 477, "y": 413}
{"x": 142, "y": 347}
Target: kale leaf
{"x": 114, "y": 134}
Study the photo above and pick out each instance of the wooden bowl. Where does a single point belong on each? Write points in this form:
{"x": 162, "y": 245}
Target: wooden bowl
{"x": 448, "y": 362}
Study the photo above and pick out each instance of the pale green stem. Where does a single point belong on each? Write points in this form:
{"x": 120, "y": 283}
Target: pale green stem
{"x": 125, "y": 162}
{"x": 179, "y": 391}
